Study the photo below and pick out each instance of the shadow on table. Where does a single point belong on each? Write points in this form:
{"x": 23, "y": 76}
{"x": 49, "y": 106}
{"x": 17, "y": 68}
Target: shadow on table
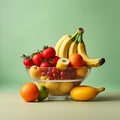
{"x": 99, "y": 98}
{"x": 108, "y": 97}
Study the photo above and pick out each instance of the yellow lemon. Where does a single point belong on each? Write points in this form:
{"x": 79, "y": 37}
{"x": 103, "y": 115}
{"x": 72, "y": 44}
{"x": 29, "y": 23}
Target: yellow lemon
{"x": 85, "y": 93}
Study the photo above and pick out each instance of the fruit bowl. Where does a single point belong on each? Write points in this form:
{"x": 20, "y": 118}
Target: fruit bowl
{"x": 58, "y": 82}
{"x": 62, "y": 68}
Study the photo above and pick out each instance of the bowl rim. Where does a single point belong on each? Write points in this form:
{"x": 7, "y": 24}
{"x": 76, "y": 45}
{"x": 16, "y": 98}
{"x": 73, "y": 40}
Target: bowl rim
{"x": 59, "y": 80}
{"x": 73, "y": 80}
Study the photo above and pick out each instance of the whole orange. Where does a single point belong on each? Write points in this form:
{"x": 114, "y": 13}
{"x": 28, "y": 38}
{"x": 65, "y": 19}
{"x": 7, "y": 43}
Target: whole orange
{"x": 76, "y": 60}
{"x": 29, "y": 92}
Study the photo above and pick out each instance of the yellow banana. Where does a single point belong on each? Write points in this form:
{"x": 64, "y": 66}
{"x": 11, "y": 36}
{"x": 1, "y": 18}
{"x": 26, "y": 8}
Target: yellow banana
{"x": 58, "y": 44}
{"x": 63, "y": 51}
{"x": 64, "y": 43}
{"x": 73, "y": 48}
{"x": 88, "y": 61}
{"x": 64, "y": 47}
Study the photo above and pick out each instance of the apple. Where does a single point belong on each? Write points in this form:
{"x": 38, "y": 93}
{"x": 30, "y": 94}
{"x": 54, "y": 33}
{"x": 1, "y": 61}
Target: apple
{"x": 34, "y": 72}
{"x": 43, "y": 92}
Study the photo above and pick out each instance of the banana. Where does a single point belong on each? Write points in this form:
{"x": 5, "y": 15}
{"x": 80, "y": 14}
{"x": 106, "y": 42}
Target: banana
{"x": 63, "y": 51}
{"x": 81, "y": 49}
{"x": 73, "y": 47}
{"x": 62, "y": 63}
{"x": 60, "y": 41}
{"x": 66, "y": 43}
{"x": 64, "y": 47}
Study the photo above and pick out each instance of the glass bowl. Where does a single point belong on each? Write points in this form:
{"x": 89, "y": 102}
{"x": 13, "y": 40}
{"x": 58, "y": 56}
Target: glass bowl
{"x": 58, "y": 82}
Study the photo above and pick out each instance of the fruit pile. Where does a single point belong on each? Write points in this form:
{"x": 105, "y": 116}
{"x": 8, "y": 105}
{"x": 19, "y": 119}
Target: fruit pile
{"x": 46, "y": 65}
{"x": 67, "y": 61}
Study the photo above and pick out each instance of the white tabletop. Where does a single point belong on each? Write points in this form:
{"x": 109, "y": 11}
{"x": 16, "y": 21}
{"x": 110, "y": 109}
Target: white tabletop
{"x": 105, "y": 106}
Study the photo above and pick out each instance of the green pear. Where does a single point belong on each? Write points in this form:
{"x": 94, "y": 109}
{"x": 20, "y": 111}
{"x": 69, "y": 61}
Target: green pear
{"x": 43, "y": 92}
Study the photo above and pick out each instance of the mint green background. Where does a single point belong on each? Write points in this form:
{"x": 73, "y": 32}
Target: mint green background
{"x": 28, "y": 25}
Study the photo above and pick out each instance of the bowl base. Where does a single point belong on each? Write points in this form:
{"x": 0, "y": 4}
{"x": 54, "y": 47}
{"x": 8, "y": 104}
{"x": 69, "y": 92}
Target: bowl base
{"x": 66, "y": 97}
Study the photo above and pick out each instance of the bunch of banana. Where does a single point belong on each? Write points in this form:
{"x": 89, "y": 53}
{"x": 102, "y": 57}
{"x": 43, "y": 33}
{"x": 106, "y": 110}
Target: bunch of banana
{"x": 64, "y": 43}
{"x": 68, "y": 45}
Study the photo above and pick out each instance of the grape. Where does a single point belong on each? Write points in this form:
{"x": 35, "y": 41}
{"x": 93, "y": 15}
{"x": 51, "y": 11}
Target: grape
{"x": 43, "y": 73}
{"x": 49, "y": 73}
{"x": 62, "y": 73}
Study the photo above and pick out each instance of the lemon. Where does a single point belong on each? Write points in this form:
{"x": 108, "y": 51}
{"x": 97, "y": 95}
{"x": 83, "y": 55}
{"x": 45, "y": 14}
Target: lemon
{"x": 85, "y": 93}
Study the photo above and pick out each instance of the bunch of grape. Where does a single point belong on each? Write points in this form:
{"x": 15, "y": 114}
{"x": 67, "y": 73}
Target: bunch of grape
{"x": 53, "y": 73}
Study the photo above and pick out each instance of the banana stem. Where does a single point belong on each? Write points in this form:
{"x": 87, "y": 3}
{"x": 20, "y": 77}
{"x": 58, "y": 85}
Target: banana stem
{"x": 81, "y": 38}
{"x": 77, "y": 37}
{"x": 77, "y": 34}
{"x": 73, "y": 37}
{"x": 81, "y": 30}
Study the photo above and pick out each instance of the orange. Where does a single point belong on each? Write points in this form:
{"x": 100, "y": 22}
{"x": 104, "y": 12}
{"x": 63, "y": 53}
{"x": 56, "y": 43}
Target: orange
{"x": 29, "y": 92}
{"x": 76, "y": 60}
